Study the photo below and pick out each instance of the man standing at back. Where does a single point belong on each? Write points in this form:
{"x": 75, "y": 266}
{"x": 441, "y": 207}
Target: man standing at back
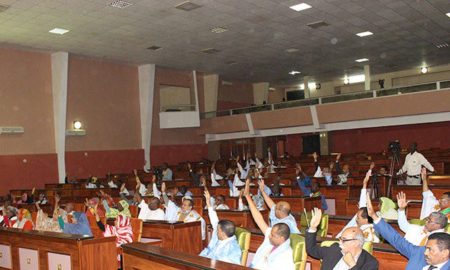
{"x": 413, "y": 165}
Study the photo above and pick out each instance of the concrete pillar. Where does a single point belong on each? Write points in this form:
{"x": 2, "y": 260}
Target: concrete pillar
{"x": 307, "y": 91}
{"x": 260, "y": 92}
{"x": 60, "y": 68}
{"x": 146, "y": 93}
{"x": 367, "y": 77}
{"x": 211, "y": 90}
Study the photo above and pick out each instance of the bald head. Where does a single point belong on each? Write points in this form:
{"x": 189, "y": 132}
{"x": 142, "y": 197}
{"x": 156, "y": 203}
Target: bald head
{"x": 352, "y": 240}
{"x": 282, "y": 209}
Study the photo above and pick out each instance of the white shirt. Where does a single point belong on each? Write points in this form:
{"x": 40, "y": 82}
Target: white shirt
{"x": 268, "y": 258}
{"x": 414, "y": 234}
{"x": 147, "y": 213}
{"x": 414, "y": 162}
{"x": 439, "y": 266}
{"x": 111, "y": 184}
{"x": 429, "y": 204}
{"x": 142, "y": 190}
{"x": 222, "y": 207}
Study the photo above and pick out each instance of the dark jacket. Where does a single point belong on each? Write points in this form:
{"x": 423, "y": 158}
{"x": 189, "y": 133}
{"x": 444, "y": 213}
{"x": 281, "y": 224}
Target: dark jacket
{"x": 330, "y": 256}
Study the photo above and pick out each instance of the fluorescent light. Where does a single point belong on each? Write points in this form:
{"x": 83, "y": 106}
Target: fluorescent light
{"x": 448, "y": 14}
{"x": 218, "y": 30}
{"x": 294, "y": 72}
{"x": 362, "y": 60}
{"x": 59, "y": 31}
{"x": 424, "y": 70}
{"x": 311, "y": 86}
{"x": 300, "y": 7}
{"x": 356, "y": 78}
{"x": 364, "y": 34}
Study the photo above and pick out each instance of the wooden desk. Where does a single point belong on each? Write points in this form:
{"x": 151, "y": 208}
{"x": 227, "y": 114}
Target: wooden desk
{"x": 138, "y": 256}
{"x": 176, "y": 236}
{"x": 388, "y": 258}
{"x": 299, "y": 203}
{"x": 48, "y": 250}
{"x": 240, "y": 218}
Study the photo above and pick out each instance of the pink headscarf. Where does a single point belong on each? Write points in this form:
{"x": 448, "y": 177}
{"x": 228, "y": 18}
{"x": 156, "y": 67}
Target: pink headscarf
{"x": 122, "y": 230}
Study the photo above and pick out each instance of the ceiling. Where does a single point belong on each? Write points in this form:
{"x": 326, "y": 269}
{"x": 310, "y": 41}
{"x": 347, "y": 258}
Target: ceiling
{"x": 406, "y": 33}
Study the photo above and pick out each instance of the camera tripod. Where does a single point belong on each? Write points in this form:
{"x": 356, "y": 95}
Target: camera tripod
{"x": 395, "y": 162}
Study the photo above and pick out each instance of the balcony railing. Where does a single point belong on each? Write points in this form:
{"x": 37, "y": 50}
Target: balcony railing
{"x": 331, "y": 99}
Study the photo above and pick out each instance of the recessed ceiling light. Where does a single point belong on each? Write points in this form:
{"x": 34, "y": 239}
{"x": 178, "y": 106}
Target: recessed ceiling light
{"x": 210, "y": 51}
{"x": 442, "y": 45}
{"x": 154, "y": 48}
{"x": 424, "y": 70}
{"x": 187, "y": 6}
{"x": 362, "y": 60}
{"x": 448, "y": 14}
{"x": 294, "y": 72}
{"x": 120, "y": 4}
{"x": 300, "y": 7}
{"x": 219, "y": 30}
{"x": 291, "y": 50}
{"x": 58, "y": 31}
{"x": 364, "y": 34}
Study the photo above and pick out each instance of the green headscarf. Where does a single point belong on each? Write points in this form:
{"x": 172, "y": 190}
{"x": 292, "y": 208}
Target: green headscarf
{"x": 387, "y": 208}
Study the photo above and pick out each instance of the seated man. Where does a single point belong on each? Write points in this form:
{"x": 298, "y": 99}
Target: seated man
{"x": 434, "y": 255}
{"x": 275, "y": 252}
{"x": 223, "y": 245}
{"x": 362, "y": 219}
{"x": 348, "y": 254}
{"x": 167, "y": 173}
{"x": 280, "y": 212}
{"x": 220, "y": 203}
{"x": 185, "y": 213}
{"x": 150, "y": 211}
{"x": 344, "y": 172}
{"x": 415, "y": 234}
{"x": 430, "y": 203}
{"x": 325, "y": 172}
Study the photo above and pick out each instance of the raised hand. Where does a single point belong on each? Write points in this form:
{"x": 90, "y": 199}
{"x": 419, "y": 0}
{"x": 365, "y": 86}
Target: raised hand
{"x": 247, "y": 188}
{"x": 316, "y": 218}
{"x": 401, "y": 200}
{"x": 154, "y": 179}
{"x": 207, "y": 197}
{"x": 315, "y": 156}
{"x": 423, "y": 174}
{"x": 261, "y": 185}
{"x": 135, "y": 172}
{"x": 338, "y": 157}
{"x": 163, "y": 187}
{"x": 366, "y": 179}
{"x": 372, "y": 165}
{"x": 370, "y": 209}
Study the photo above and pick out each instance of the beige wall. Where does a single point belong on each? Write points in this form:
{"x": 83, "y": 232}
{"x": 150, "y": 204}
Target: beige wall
{"x": 26, "y": 100}
{"x": 174, "y": 95}
{"x": 104, "y": 96}
{"x": 175, "y": 136}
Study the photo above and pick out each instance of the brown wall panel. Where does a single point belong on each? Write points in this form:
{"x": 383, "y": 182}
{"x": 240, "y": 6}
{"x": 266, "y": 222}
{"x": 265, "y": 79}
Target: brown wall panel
{"x": 282, "y": 118}
{"x": 392, "y": 106}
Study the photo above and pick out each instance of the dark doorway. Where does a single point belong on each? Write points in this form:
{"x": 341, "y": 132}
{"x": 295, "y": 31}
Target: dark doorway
{"x": 311, "y": 144}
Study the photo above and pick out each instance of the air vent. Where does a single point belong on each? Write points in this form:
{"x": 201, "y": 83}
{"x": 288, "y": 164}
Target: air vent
{"x": 219, "y": 30}
{"x": 3, "y": 8}
{"x": 230, "y": 63}
{"x": 154, "y": 48}
{"x": 120, "y": 4}
{"x": 315, "y": 25}
{"x": 187, "y": 6}
{"x": 291, "y": 50}
{"x": 210, "y": 51}
{"x": 442, "y": 45}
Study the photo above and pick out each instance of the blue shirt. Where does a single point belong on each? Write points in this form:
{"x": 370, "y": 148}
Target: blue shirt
{"x": 227, "y": 250}
{"x": 415, "y": 254}
{"x": 289, "y": 220}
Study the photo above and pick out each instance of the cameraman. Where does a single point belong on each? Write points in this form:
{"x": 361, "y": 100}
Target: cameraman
{"x": 413, "y": 165}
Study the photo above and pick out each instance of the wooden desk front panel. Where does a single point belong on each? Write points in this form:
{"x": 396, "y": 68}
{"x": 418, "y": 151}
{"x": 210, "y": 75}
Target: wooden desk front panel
{"x": 184, "y": 237}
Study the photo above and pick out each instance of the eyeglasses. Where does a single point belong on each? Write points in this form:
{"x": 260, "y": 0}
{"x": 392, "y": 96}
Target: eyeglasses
{"x": 346, "y": 240}
{"x": 429, "y": 220}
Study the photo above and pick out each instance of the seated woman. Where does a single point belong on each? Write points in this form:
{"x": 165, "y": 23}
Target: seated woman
{"x": 23, "y": 220}
{"x": 79, "y": 224}
{"x": 45, "y": 223}
{"x": 121, "y": 230}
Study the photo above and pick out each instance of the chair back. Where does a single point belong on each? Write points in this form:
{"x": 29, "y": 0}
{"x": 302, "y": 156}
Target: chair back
{"x": 322, "y": 230}
{"x": 136, "y": 226}
{"x": 298, "y": 251}
{"x": 243, "y": 238}
{"x": 96, "y": 232}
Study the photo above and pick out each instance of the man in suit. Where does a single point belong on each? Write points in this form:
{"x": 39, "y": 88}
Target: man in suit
{"x": 433, "y": 256}
{"x": 348, "y": 254}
